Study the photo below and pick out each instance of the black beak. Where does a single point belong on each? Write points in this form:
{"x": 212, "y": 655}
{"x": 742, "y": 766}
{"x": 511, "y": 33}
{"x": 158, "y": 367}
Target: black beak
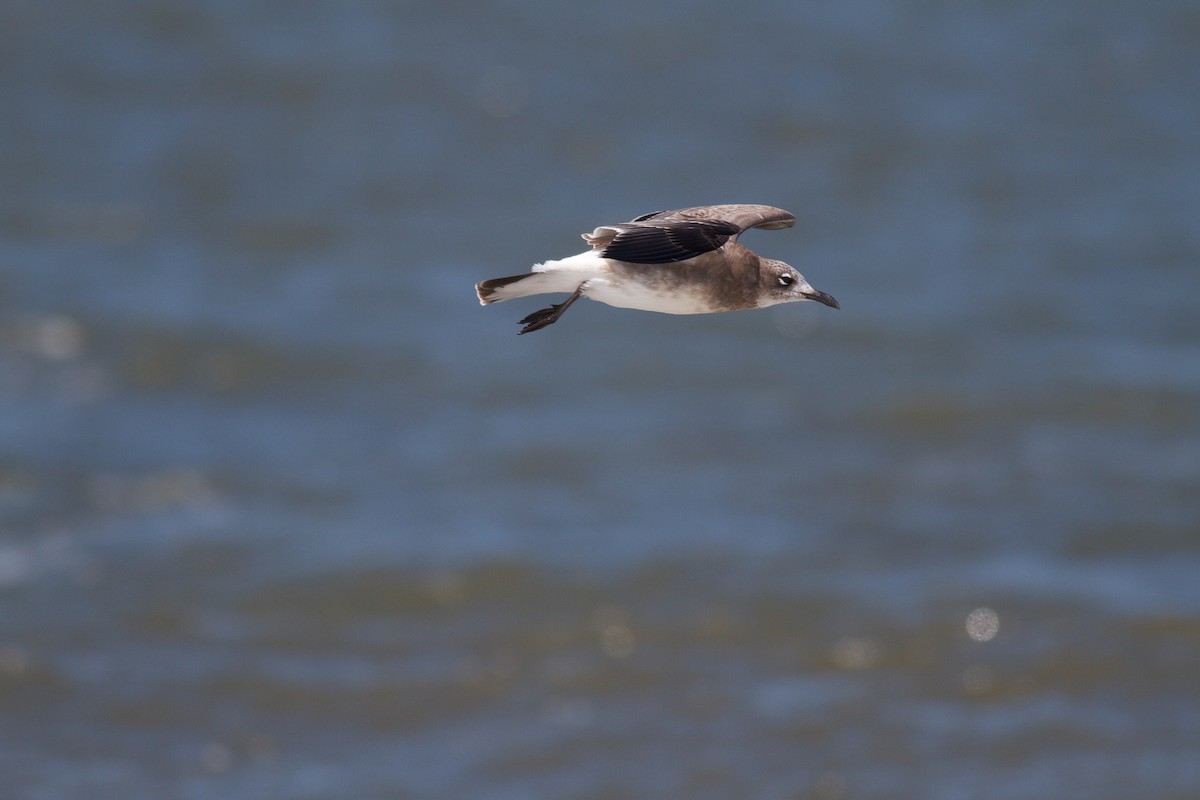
{"x": 821, "y": 297}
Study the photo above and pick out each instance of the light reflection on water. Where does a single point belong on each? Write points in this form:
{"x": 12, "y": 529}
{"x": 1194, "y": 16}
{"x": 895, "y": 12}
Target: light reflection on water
{"x": 284, "y": 512}
{"x": 983, "y": 624}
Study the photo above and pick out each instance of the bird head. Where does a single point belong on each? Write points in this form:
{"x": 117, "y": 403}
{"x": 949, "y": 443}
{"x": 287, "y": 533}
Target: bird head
{"x": 781, "y": 283}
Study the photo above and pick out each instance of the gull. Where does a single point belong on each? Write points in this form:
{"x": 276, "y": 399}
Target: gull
{"x": 687, "y": 261}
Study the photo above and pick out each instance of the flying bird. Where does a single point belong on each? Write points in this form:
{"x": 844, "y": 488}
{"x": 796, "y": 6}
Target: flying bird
{"x": 687, "y": 261}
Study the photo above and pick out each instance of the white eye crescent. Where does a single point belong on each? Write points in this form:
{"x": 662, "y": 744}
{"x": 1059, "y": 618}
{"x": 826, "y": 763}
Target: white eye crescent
{"x": 786, "y": 280}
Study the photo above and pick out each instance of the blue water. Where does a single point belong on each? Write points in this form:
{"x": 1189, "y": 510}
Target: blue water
{"x": 285, "y": 513}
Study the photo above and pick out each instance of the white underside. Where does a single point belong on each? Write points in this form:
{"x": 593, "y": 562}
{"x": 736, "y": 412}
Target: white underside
{"x": 596, "y": 276}
{"x": 631, "y": 295}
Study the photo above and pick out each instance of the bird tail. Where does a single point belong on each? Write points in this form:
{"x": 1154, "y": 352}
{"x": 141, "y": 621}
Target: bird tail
{"x": 549, "y": 277}
{"x": 497, "y": 289}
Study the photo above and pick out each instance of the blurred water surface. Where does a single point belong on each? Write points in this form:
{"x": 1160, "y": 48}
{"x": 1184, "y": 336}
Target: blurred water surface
{"x": 285, "y": 513}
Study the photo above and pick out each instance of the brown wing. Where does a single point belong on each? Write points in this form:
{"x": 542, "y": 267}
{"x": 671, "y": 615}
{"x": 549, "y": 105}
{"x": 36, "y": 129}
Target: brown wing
{"x": 668, "y": 236}
{"x": 744, "y": 216}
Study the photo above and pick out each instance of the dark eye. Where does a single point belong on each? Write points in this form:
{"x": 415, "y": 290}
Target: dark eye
{"x": 786, "y": 280}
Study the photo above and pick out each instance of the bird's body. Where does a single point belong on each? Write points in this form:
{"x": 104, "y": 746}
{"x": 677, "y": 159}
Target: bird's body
{"x": 672, "y": 262}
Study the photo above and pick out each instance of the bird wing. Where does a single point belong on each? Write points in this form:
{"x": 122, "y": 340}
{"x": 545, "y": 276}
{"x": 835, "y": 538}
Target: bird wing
{"x": 660, "y": 242}
{"x": 664, "y": 237}
{"x": 744, "y": 216}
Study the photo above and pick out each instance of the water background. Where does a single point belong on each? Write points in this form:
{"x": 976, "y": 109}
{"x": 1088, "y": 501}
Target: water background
{"x": 284, "y": 513}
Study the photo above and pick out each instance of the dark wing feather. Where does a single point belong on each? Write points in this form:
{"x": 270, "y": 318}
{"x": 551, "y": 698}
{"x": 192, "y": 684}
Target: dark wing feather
{"x": 666, "y": 241}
